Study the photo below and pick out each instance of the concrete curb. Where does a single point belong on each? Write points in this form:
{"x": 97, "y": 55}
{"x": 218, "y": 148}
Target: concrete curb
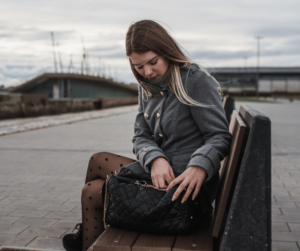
{"x": 22, "y": 125}
{"x": 27, "y": 248}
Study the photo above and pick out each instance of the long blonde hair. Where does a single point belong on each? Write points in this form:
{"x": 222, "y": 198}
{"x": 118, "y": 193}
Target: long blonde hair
{"x": 148, "y": 35}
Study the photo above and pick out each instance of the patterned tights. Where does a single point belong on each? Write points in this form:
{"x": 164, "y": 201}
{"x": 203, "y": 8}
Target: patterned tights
{"x": 100, "y": 165}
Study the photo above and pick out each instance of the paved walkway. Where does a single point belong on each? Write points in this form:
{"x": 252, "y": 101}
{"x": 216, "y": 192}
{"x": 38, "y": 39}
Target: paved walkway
{"x": 43, "y": 171}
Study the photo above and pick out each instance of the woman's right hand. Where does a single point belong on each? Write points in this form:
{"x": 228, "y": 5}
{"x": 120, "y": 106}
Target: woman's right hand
{"x": 161, "y": 173}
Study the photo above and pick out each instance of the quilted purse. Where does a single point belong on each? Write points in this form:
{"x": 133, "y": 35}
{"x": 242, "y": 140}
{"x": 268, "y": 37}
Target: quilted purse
{"x": 133, "y": 203}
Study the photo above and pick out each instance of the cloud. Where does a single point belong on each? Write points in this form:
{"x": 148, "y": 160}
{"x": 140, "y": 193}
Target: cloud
{"x": 216, "y": 33}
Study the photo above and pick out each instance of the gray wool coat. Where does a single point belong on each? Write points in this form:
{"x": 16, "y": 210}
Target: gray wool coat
{"x": 184, "y": 135}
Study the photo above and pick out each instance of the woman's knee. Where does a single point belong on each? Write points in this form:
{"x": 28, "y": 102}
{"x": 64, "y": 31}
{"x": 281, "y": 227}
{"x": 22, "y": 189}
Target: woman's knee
{"x": 97, "y": 160}
{"x": 99, "y": 156}
{"x": 92, "y": 189}
{"x": 86, "y": 191}
{"x": 95, "y": 166}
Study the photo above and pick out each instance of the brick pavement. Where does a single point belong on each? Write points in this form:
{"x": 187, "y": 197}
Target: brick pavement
{"x": 43, "y": 171}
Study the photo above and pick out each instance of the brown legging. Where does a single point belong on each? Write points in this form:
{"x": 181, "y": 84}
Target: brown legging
{"x": 100, "y": 165}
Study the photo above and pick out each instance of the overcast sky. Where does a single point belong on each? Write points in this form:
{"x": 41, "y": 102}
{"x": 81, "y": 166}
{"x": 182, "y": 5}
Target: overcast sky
{"x": 215, "y": 33}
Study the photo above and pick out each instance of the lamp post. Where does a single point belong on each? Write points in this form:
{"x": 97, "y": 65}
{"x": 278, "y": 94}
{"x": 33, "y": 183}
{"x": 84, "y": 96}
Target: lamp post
{"x": 244, "y": 83}
{"x": 245, "y": 59}
{"x": 257, "y": 70}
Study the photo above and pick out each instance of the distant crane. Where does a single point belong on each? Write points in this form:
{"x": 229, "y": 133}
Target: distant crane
{"x": 60, "y": 62}
{"x": 109, "y": 72}
{"x": 99, "y": 67}
{"x": 87, "y": 65}
{"x": 84, "y": 63}
{"x": 104, "y": 70}
{"x": 54, "y": 55}
{"x": 71, "y": 67}
{"x": 116, "y": 74}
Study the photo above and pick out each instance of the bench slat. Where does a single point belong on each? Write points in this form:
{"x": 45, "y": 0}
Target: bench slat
{"x": 151, "y": 242}
{"x": 116, "y": 239}
{"x": 201, "y": 240}
{"x": 237, "y": 129}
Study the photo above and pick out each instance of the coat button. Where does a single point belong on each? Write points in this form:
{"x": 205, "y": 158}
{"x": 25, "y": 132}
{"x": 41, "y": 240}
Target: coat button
{"x": 152, "y": 136}
{"x": 146, "y": 116}
{"x": 162, "y": 93}
{"x": 160, "y": 135}
{"x": 158, "y": 115}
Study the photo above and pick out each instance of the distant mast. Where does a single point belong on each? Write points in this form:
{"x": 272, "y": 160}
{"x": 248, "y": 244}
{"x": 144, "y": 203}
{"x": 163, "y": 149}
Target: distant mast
{"x": 59, "y": 57}
{"x": 71, "y": 65}
{"x": 54, "y": 56}
{"x": 84, "y": 65}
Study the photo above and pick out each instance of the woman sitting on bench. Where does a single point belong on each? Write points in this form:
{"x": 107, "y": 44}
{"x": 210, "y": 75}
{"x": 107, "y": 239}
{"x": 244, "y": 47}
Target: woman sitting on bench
{"x": 180, "y": 130}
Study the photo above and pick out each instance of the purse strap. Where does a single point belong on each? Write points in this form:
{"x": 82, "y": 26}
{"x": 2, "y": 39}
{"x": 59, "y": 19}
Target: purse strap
{"x": 145, "y": 184}
{"x": 105, "y": 202}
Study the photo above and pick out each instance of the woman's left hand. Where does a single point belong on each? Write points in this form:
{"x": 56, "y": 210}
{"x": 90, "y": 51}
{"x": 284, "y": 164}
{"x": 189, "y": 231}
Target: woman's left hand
{"x": 191, "y": 178}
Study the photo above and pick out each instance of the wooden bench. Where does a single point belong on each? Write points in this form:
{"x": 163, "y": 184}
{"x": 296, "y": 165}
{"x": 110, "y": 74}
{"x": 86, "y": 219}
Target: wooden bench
{"x": 242, "y": 215}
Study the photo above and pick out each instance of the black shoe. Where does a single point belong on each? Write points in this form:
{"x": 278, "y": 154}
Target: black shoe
{"x": 73, "y": 242}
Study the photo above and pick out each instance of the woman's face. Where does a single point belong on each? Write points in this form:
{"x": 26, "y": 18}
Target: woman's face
{"x": 149, "y": 65}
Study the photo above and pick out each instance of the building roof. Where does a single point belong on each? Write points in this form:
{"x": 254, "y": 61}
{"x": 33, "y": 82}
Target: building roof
{"x": 44, "y": 77}
{"x": 263, "y": 70}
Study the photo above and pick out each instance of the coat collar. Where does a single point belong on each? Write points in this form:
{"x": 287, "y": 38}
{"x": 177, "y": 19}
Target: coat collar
{"x": 161, "y": 83}
{"x": 158, "y": 84}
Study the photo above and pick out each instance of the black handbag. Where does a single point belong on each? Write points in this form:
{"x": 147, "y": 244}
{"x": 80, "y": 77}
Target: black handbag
{"x": 133, "y": 203}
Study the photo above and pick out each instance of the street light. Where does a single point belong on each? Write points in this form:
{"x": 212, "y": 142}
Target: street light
{"x": 257, "y": 70}
{"x": 245, "y": 59}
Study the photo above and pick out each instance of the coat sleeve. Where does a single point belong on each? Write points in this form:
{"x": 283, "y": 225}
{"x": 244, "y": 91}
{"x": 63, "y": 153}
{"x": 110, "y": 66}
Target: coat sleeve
{"x": 144, "y": 146}
{"x": 211, "y": 122}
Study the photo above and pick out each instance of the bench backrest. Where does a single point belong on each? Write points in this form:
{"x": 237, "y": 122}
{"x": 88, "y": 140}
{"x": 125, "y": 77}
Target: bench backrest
{"x": 228, "y": 169}
{"x": 247, "y": 218}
